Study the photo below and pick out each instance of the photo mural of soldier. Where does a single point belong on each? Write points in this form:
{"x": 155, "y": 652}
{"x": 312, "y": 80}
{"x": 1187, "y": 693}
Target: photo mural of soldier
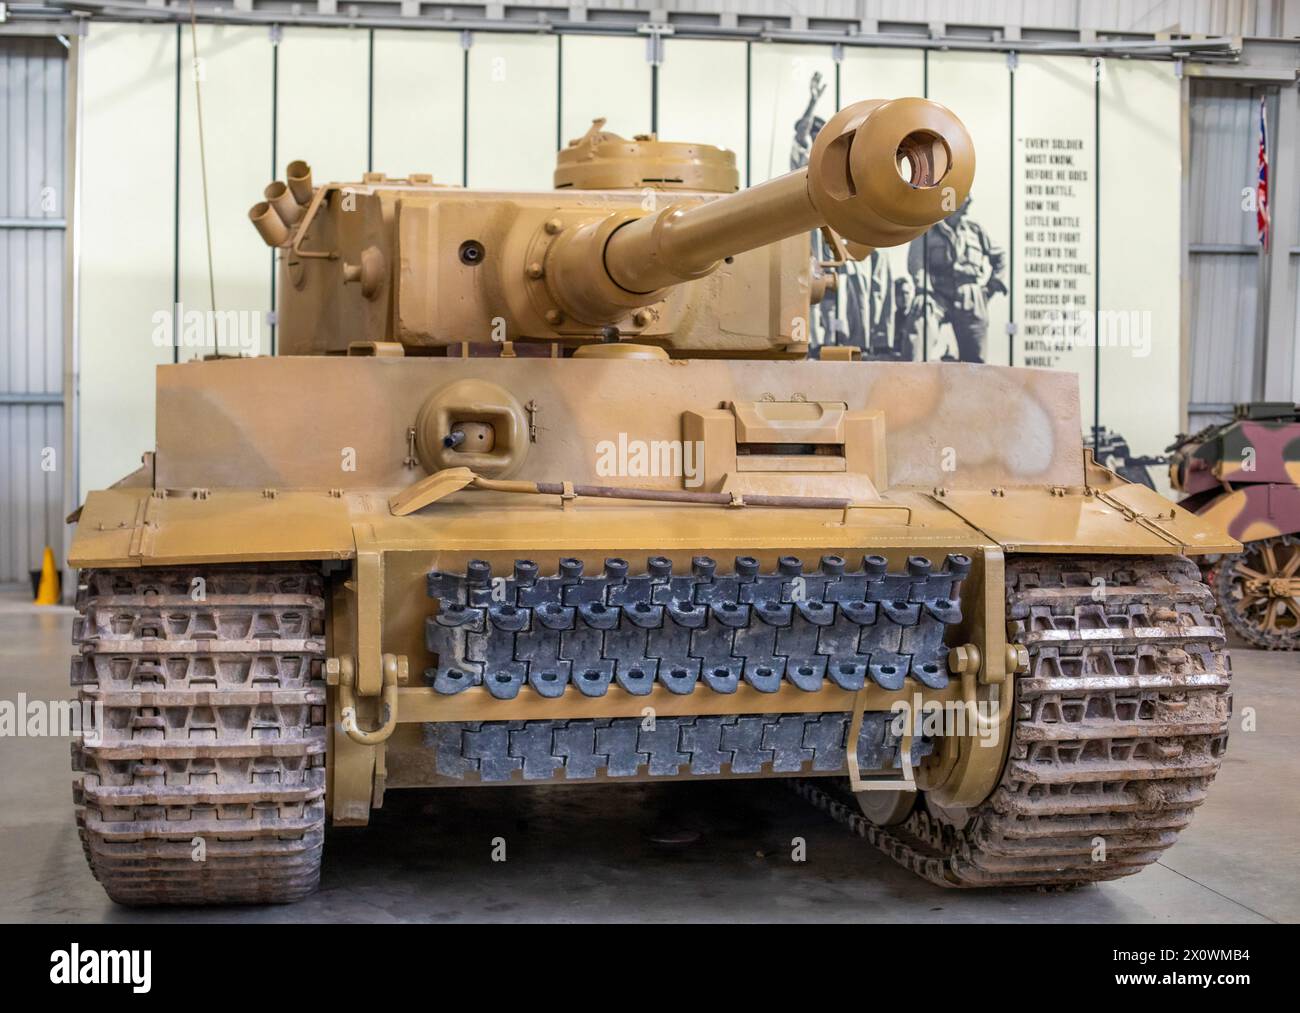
{"x": 911, "y": 313}
{"x": 965, "y": 269}
{"x": 902, "y": 317}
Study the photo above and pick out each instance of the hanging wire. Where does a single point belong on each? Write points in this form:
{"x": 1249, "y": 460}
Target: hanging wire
{"x": 203, "y": 167}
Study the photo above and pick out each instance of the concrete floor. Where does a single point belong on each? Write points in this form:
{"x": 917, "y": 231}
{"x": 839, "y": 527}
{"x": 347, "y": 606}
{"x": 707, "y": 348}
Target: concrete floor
{"x": 586, "y": 854}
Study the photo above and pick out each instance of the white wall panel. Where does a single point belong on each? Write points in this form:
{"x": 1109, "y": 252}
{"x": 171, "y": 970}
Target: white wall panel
{"x": 702, "y": 94}
{"x": 419, "y": 104}
{"x": 1140, "y": 246}
{"x": 780, "y": 82}
{"x": 880, "y": 73}
{"x": 605, "y": 76}
{"x": 513, "y": 80}
{"x": 235, "y": 84}
{"x": 323, "y": 102}
{"x": 126, "y": 223}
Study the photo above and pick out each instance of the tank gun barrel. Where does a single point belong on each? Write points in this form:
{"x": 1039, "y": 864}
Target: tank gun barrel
{"x": 683, "y": 243}
{"x": 879, "y": 174}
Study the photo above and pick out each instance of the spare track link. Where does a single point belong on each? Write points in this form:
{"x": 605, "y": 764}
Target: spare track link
{"x": 698, "y": 746}
{"x": 638, "y": 629}
{"x": 212, "y": 729}
{"x": 1120, "y": 726}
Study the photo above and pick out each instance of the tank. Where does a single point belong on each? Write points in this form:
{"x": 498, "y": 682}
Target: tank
{"x": 1244, "y": 476}
{"x": 545, "y": 488}
{"x": 1112, "y": 449}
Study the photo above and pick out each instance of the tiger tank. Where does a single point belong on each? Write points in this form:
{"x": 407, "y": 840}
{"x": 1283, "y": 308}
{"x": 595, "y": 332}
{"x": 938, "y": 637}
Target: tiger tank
{"x": 546, "y": 488}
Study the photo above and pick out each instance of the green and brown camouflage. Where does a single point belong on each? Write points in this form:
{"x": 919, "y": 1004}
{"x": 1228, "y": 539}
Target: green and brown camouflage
{"x": 1244, "y": 474}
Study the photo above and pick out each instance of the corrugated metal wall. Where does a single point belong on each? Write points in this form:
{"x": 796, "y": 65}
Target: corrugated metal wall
{"x": 1224, "y": 254}
{"x": 1210, "y": 17}
{"x": 32, "y": 112}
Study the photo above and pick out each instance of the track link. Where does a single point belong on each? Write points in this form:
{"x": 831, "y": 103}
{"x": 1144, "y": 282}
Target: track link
{"x": 1120, "y": 726}
{"x": 203, "y": 780}
{"x": 694, "y": 746}
{"x": 806, "y": 626}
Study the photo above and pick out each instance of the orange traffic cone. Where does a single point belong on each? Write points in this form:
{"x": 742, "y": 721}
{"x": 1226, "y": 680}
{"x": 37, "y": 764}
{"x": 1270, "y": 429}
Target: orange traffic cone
{"x": 48, "y": 591}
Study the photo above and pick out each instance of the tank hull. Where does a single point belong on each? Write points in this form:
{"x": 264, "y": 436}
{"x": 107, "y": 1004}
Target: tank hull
{"x": 947, "y": 479}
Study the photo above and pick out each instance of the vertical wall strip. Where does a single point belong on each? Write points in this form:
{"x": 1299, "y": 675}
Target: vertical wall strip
{"x": 176, "y": 212}
{"x": 72, "y": 299}
{"x": 370, "y": 103}
{"x": 1264, "y": 254}
{"x": 465, "y": 39}
{"x": 841, "y": 297}
{"x": 654, "y": 98}
{"x": 1259, "y": 352}
{"x": 1096, "y": 254}
{"x": 1184, "y": 248}
{"x": 1012, "y": 60}
{"x": 749, "y": 111}
{"x": 275, "y": 155}
{"x": 559, "y": 92}
{"x": 654, "y": 54}
{"x": 925, "y": 236}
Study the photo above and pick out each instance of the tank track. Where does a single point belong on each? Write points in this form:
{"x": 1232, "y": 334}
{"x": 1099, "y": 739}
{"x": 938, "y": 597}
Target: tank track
{"x": 1120, "y": 726}
{"x": 700, "y": 746}
{"x": 569, "y": 632}
{"x": 212, "y": 727}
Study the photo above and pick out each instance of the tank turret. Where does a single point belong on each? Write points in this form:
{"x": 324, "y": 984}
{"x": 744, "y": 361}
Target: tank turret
{"x": 641, "y": 240}
{"x": 880, "y": 174}
{"x": 602, "y": 160}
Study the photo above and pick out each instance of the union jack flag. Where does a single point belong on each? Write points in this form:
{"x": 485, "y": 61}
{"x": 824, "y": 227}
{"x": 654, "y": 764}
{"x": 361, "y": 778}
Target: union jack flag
{"x": 1261, "y": 184}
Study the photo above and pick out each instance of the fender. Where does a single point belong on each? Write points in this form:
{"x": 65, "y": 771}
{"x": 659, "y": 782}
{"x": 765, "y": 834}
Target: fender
{"x": 1253, "y": 512}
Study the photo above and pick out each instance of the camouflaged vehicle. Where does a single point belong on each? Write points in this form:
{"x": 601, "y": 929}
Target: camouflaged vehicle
{"x": 544, "y": 488}
{"x": 1244, "y": 476}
